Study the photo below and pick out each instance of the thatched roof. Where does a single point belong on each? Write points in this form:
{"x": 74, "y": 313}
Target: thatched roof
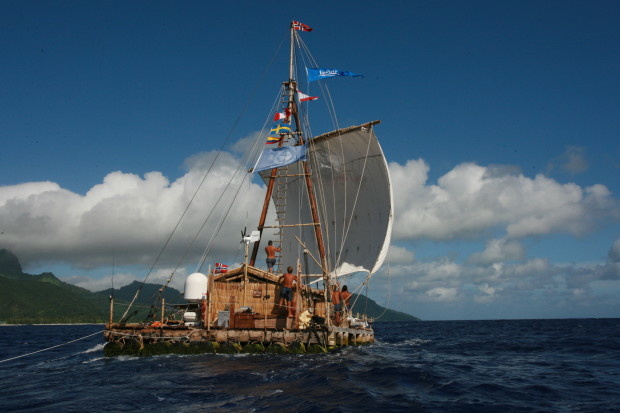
{"x": 254, "y": 273}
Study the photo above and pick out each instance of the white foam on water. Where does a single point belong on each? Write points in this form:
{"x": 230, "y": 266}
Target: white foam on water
{"x": 98, "y": 347}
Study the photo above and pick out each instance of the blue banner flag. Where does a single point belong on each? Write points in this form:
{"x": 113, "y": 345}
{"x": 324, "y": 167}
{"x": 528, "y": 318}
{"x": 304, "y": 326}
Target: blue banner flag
{"x": 278, "y": 157}
{"x": 317, "y": 74}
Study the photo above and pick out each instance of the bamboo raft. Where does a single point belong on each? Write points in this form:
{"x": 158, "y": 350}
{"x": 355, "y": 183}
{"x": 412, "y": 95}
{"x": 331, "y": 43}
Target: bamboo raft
{"x": 240, "y": 313}
{"x": 334, "y": 184}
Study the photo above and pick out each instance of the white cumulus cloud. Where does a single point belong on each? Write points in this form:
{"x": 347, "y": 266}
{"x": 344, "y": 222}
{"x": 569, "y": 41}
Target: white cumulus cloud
{"x": 128, "y": 214}
{"x": 499, "y": 250}
{"x": 472, "y": 199}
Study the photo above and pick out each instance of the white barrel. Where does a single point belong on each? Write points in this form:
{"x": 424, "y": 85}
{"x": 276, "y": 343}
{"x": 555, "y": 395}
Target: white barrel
{"x": 190, "y": 316}
{"x": 195, "y": 287}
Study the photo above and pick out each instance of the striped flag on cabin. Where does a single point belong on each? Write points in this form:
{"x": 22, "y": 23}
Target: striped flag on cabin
{"x": 220, "y": 268}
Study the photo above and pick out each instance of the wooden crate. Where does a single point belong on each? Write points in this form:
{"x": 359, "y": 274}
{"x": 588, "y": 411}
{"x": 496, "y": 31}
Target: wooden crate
{"x": 244, "y": 320}
{"x": 281, "y": 323}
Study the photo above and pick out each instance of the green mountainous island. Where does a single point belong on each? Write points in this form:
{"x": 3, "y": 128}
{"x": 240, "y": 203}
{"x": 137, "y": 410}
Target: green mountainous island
{"x": 44, "y": 299}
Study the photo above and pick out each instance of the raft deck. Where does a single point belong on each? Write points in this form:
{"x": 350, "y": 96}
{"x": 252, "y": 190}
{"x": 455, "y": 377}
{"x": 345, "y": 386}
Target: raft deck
{"x": 139, "y": 339}
{"x": 241, "y": 311}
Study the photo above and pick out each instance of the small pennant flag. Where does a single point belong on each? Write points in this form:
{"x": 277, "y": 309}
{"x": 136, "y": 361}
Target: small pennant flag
{"x": 282, "y": 128}
{"x": 282, "y": 115}
{"x": 303, "y": 97}
{"x": 273, "y": 139}
{"x": 220, "y": 268}
{"x": 301, "y": 26}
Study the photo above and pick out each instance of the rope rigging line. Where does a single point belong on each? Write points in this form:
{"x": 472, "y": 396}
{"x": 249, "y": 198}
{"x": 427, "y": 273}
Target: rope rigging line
{"x": 359, "y": 187}
{"x": 242, "y": 167}
{"x": 338, "y": 232}
{"x": 385, "y": 308}
{"x": 320, "y": 187}
{"x": 324, "y": 89}
{"x": 345, "y": 226}
{"x": 226, "y": 211}
{"x": 332, "y": 112}
{"x": 332, "y": 243}
{"x": 224, "y": 143}
{"x": 49, "y": 348}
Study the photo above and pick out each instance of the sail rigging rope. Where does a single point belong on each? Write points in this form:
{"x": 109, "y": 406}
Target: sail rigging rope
{"x": 335, "y": 234}
{"x": 49, "y": 348}
{"x": 357, "y": 194}
{"x": 320, "y": 190}
{"x": 227, "y": 210}
{"x": 387, "y": 305}
{"x": 225, "y": 142}
{"x": 340, "y": 229}
{"x": 345, "y": 225}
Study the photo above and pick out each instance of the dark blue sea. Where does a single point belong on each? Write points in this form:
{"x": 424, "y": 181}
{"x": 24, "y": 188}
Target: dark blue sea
{"x": 443, "y": 366}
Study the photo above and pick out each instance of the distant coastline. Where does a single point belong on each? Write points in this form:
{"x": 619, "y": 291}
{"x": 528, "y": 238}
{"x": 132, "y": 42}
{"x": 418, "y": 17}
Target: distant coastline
{"x": 43, "y": 299}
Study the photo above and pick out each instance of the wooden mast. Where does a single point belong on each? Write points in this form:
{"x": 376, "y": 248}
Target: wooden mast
{"x": 274, "y": 171}
{"x": 291, "y": 87}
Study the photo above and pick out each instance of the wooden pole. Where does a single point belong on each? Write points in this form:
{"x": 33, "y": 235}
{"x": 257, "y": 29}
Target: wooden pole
{"x": 111, "y": 318}
{"x": 274, "y": 172}
{"x": 245, "y": 273}
{"x": 209, "y": 300}
{"x": 298, "y": 296}
{"x": 163, "y": 306}
{"x": 263, "y": 215}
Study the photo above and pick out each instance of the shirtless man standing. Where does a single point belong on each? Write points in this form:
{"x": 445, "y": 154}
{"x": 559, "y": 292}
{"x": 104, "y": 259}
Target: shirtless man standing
{"x": 337, "y": 304}
{"x": 286, "y": 293}
{"x": 345, "y": 298}
{"x": 271, "y": 255}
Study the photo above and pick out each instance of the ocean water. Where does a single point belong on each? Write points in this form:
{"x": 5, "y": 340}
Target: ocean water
{"x": 448, "y": 366}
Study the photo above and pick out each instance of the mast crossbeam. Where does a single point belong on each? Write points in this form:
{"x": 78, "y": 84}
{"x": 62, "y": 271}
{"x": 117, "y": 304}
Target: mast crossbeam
{"x": 291, "y": 225}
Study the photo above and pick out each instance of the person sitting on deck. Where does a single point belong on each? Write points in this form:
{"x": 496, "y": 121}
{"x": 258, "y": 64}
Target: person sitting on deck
{"x": 286, "y": 293}
{"x": 271, "y": 255}
{"x": 337, "y": 304}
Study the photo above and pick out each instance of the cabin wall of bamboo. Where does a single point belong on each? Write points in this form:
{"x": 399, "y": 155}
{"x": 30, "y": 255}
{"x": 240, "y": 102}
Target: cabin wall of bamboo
{"x": 262, "y": 297}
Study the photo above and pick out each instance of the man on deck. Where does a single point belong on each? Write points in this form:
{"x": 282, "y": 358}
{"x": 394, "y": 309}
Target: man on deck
{"x": 337, "y": 304}
{"x": 286, "y": 293}
{"x": 345, "y": 298}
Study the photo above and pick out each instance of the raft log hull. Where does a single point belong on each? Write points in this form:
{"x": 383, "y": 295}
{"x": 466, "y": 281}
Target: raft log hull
{"x": 138, "y": 339}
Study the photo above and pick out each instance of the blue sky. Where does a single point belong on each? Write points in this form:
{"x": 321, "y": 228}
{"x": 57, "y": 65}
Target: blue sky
{"x": 500, "y": 120}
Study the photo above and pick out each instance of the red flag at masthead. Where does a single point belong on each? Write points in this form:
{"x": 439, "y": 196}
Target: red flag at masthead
{"x": 301, "y": 26}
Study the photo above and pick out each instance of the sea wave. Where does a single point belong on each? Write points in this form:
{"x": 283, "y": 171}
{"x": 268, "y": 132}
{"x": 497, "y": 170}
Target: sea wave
{"x": 504, "y": 365}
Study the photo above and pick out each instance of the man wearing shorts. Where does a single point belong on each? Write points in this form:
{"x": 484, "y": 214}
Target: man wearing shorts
{"x": 271, "y": 255}
{"x": 337, "y": 304}
{"x": 286, "y": 292}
